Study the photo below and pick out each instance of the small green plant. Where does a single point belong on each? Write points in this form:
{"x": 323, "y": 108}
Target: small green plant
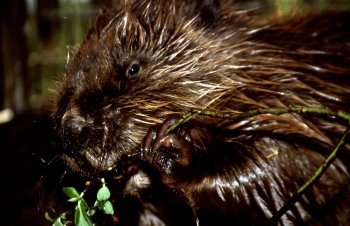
{"x": 82, "y": 212}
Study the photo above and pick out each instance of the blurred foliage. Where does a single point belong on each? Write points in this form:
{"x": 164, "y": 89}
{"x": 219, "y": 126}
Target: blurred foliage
{"x": 47, "y": 56}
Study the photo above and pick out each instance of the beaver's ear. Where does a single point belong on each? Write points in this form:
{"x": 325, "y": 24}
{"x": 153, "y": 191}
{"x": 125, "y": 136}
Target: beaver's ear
{"x": 100, "y": 21}
{"x": 209, "y": 11}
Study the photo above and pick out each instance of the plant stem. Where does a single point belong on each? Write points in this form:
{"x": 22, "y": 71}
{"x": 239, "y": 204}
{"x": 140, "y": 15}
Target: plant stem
{"x": 187, "y": 116}
{"x": 277, "y": 111}
{"x": 312, "y": 180}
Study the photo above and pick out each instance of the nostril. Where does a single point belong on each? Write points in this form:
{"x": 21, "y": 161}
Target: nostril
{"x": 77, "y": 133}
{"x": 71, "y": 129}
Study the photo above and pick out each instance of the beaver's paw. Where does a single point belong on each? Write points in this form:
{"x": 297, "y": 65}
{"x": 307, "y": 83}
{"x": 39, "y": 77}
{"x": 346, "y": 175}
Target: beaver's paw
{"x": 168, "y": 153}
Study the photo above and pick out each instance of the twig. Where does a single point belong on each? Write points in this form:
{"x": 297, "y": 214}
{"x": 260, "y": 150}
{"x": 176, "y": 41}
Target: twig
{"x": 312, "y": 180}
{"x": 277, "y": 111}
{"x": 274, "y": 111}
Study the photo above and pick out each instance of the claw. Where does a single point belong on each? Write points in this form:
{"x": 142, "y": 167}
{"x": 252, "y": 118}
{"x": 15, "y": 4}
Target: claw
{"x": 148, "y": 141}
{"x": 166, "y": 152}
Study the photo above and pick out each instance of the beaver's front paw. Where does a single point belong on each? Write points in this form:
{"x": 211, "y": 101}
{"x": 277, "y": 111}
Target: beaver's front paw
{"x": 170, "y": 153}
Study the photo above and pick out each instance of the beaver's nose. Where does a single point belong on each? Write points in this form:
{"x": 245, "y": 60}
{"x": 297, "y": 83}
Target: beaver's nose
{"x": 74, "y": 132}
{"x": 77, "y": 134}
{"x": 72, "y": 126}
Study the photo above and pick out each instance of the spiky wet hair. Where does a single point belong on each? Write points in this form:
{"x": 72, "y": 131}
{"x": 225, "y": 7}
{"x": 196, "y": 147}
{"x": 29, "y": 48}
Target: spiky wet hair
{"x": 188, "y": 56}
{"x": 150, "y": 60}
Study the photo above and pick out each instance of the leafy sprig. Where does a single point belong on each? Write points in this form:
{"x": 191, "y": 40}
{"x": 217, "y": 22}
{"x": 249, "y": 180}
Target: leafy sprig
{"x": 83, "y": 212}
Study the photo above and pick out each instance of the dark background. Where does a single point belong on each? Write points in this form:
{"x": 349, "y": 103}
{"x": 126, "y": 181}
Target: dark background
{"x": 35, "y": 39}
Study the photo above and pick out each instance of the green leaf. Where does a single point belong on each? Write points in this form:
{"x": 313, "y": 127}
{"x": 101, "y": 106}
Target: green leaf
{"x": 91, "y": 212}
{"x": 72, "y": 193}
{"x": 80, "y": 216}
{"x": 103, "y": 194}
{"x": 108, "y": 208}
{"x": 73, "y": 199}
{"x": 48, "y": 217}
{"x": 58, "y": 222}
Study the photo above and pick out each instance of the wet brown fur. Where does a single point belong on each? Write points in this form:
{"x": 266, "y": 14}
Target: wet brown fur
{"x": 211, "y": 56}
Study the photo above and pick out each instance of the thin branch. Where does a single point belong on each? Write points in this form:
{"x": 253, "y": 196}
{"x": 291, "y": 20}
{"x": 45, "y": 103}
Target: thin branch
{"x": 185, "y": 118}
{"x": 277, "y": 111}
{"x": 311, "y": 181}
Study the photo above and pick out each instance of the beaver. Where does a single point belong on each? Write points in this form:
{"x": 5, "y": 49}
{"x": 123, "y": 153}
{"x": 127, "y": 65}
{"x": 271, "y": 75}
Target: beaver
{"x": 143, "y": 65}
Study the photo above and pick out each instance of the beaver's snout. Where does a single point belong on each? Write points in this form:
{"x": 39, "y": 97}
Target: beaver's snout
{"x": 78, "y": 133}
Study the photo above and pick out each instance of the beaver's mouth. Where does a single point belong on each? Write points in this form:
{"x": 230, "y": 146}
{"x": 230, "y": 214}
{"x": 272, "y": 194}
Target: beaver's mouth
{"x": 96, "y": 145}
{"x": 90, "y": 161}
{"x": 96, "y": 153}
{"x": 82, "y": 144}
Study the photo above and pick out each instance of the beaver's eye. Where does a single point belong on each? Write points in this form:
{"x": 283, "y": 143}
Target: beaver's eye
{"x": 133, "y": 70}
